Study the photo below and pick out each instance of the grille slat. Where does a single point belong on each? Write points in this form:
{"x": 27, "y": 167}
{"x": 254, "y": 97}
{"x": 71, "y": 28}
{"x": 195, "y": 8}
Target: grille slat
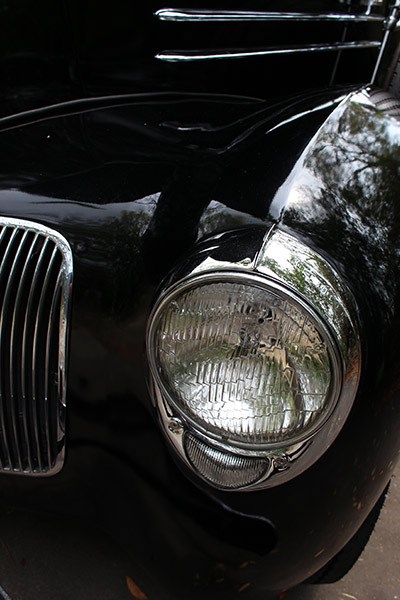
{"x": 23, "y": 314}
{"x": 33, "y": 313}
{"x": 51, "y": 377}
{"x": 35, "y": 274}
{"x": 26, "y": 342}
{"x": 5, "y": 460}
{"x": 7, "y": 422}
{"x": 46, "y": 345}
{"x": 38, "y": 379}
{"x": 19, "y": 441}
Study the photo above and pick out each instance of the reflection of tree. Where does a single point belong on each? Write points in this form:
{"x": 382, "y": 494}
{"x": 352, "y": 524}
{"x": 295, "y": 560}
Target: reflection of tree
{"x": 218, "y": 217}
{"x": 358, "y": 160}
{"x": 108, "y": 254}
{"x": 312, "y": 279}
{"x": 352, "y": 178}
{"x": 310, "y": 276}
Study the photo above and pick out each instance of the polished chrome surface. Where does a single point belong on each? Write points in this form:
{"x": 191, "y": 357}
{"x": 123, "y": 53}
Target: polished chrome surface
{"x": 35, "y": 283}
{"x": 232, "y": 53}
{"x": 198, "y": 15}
{"x": 348, "y": 17}
{"x": 11, "y": 250}
{"x": 285, "y": 262}
{"x": 285, "y": 258}
{"x": 20, "y": 294}
{"x": 311, "y": 276}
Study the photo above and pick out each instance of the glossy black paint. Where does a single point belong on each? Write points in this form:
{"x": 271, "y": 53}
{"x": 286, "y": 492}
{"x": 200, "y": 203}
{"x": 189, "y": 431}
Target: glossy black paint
{"x": 342, "y": 198}
{"x": 133, "y": 181}
{"x": 130, "y": 200}
{"x": 78, "y": 49}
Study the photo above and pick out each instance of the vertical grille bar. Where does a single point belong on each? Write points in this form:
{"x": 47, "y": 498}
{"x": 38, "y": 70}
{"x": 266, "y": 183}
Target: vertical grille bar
{"x": 50, "y": 373}
{"x": 35, "y": 352}
{"x": 39, "y": 381}
{"x": 20, "y": 310}
{"x": 5, "y": 451}
{"x": 35, "y": 284}
{"x": 5, "y": 406}
{"x": 26, "y": 340}
{"x": 12, "y": 287}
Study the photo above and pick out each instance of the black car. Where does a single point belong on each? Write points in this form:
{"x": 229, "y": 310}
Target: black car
{"x": 199, "y": 284}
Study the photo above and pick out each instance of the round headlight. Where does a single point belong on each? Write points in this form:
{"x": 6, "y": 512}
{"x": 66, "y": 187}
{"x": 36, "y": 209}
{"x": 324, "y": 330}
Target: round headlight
{"x": 255, "y": 363}
{"x": 244, "y": 360}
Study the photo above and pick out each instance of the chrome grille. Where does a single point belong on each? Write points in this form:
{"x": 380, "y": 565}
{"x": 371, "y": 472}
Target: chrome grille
{"x": 35, "y": 282}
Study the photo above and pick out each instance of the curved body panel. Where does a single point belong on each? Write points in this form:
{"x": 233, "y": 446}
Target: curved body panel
{"x": 159, "y": 139}
{"x": 131, "y": 196}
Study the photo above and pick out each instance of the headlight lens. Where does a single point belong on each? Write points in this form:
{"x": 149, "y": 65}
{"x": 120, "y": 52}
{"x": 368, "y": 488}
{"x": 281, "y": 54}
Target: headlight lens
{"x": 245, "y": 362}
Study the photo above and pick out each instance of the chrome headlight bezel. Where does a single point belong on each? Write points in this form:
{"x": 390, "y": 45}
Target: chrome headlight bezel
{"x": 334, "y": 312}
{"x": 224, "y": 441}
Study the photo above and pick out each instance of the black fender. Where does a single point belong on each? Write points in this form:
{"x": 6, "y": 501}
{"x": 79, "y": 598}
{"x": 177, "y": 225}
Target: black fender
{"x": 132, "y": 187}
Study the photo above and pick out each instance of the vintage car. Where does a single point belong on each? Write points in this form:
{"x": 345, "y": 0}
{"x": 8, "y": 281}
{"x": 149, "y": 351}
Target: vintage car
{"x": 200, "y": 258}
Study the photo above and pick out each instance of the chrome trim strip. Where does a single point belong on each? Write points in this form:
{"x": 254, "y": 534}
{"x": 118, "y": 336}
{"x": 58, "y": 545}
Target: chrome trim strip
{"x": 229, "y": 53}
{"x": 205, "y": 16}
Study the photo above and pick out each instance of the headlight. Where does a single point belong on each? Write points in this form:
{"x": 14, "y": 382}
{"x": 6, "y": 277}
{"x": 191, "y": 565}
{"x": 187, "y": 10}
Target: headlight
{"x": 245, "y": 361}
{"x": 246, "y": 366}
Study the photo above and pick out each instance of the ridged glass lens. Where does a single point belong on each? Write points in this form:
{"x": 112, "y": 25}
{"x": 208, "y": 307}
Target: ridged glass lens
{"x": 222, "y": 469}
{"x": 243, "y": 362}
